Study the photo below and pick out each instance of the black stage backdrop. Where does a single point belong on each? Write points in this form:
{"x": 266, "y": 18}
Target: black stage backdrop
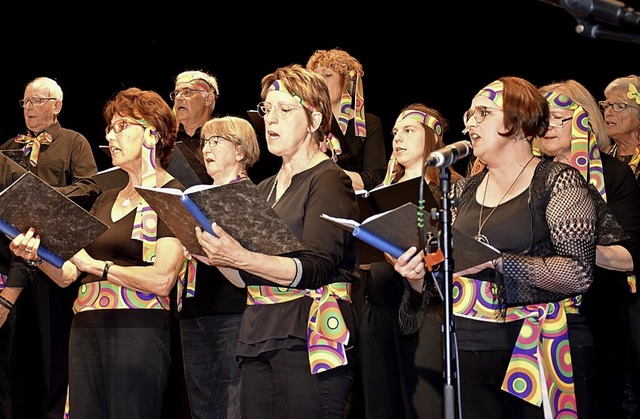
{"x": 440, "y": 53}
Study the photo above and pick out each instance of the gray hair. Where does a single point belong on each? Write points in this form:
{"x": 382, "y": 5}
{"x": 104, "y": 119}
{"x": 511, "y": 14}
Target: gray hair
{"x": 55, "y": 90}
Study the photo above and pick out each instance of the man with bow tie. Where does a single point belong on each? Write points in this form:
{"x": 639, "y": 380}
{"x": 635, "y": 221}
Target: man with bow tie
{"x": 64, "y": 159}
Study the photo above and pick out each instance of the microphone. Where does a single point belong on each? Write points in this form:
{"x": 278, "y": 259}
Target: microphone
{"x": 609, "y": 11}
{"x": 450, "y": 154}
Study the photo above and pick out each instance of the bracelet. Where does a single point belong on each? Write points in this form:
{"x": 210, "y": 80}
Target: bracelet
{"x": 36, "y": 262}
{"x": 105, "y": 271}
{"x": 298, "y": 276}
{"x": 6, "y": 303}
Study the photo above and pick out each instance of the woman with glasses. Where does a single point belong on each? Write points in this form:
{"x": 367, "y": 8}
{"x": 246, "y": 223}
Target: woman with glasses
{"x": 297, "y": 337}
{"x": 622, "y": 117}
{"x": 211, "y": 314}
{"x": 577, "y": 141}
{"x": 119, "y": 350}
{"x": 510, "y": 312}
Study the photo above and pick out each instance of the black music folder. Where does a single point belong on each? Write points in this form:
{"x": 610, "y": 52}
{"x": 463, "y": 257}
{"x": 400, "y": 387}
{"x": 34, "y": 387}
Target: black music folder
{"x": 397, "y": 230}
{"x": 64, "y": 226}
{"x": 17, "y": 156}
{"x": 111, "y": 178}
{"x": 384, "y": 198}
{"x": 184, "y": 166}
{"x": 239, "y": 208}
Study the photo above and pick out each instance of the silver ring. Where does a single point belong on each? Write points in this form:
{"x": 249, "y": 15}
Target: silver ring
{"x": 28, "y": 251}
{"x": 414, "y": 270}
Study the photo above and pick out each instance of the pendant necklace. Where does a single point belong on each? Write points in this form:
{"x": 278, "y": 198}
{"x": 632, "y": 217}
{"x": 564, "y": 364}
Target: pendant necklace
{"x": 481, "y": 237}
{"x": 275, "y": 182}
{"x": 127, "y": 201}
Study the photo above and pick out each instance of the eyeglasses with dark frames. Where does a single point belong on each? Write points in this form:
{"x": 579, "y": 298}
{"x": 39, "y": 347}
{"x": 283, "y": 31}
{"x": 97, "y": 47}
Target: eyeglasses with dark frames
{"x": 282, "y": 110}
{"x": 184, "y": 93}
{"x": 559, "y": 123}
{"x": 35, "y": 101}
{"x": 213, "y": 141}
{"x": 617, "y": 106}
{"x": 120, "y": 126}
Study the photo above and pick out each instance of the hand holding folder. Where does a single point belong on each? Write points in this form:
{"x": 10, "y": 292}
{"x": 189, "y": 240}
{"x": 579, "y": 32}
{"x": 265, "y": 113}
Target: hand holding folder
{"x": 64, "y": 227}
{"x": 397, "y": 230}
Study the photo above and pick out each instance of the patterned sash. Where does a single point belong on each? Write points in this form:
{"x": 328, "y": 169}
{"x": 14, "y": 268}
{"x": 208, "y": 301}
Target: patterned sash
{"x": 104, "y": 295}
{"x": 327, "y": 333}
{"x": 542, "y": 349}
{"x": 186, "y": 279}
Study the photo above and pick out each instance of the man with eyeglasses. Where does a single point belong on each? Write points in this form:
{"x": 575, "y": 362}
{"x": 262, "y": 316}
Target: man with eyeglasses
{"x": 194, "y": 99}
{"x": 64, "y": 159}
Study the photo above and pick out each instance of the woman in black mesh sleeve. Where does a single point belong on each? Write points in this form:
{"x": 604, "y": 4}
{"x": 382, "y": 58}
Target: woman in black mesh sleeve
{"x": 511, "y": 313}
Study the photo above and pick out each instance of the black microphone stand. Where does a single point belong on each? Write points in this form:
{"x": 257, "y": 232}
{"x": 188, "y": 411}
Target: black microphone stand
{"x": 597, "y": 31}
{"x": 447, "y": 268}
{"x": 450, "y": 371}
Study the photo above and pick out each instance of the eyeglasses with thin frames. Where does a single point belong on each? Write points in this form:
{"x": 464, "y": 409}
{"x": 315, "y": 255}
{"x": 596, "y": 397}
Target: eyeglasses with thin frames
{"x": 35, "y": 101}
{"x": 213, "y": 141}
{"x": 559, "y": 123}
{"x": 282, "y": 110}
{"x": 479, "y": 113}
{"x": 120, "y": 126}
{"x": 617, "y": 106}
{"x": 185, "y": 93}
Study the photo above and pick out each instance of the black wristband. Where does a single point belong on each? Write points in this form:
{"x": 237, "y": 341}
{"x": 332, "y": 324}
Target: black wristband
{"x": 34, "y": 263}
{"x": 6, "y": 303}
{"x": 105, "y": 271}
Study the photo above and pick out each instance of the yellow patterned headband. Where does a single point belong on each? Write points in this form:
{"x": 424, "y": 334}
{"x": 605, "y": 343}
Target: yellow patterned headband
{"x": 633, "y": 93}
{"x": 278, "y": 86}
{"x": 494, "y": 92}
{"x": 330, "y": 142}
{"x": 585, "y": 154}
{"x": 423, "y": 118}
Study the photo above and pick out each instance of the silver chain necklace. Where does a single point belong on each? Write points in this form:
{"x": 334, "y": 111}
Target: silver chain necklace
{"x": 275, "y": 182}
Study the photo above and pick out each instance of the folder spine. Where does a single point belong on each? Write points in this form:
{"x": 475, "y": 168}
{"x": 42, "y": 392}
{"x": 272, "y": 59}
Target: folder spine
{"x": 45, "y": 254}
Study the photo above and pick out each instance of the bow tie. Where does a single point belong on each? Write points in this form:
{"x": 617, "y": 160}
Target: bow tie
{"x": 32, "y": 144}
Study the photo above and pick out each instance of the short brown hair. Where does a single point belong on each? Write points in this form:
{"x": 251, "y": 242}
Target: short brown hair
{"x": 149, "y": 106}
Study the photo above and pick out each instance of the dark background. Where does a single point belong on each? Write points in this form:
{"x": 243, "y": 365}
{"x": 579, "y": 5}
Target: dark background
{"x": 437, "y": 52}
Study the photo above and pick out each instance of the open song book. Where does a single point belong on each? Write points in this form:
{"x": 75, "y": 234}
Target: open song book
{"x": 397, "y": 230}
{"x": 383, "y": 198}
{"x": 239, "y": 208}
{"x": 64, "y": 227}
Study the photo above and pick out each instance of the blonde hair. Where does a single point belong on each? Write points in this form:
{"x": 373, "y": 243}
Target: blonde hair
{"x": 239, "y": 130}
{"x": 622, "y": 83}
{"x": 575, "y": 91}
